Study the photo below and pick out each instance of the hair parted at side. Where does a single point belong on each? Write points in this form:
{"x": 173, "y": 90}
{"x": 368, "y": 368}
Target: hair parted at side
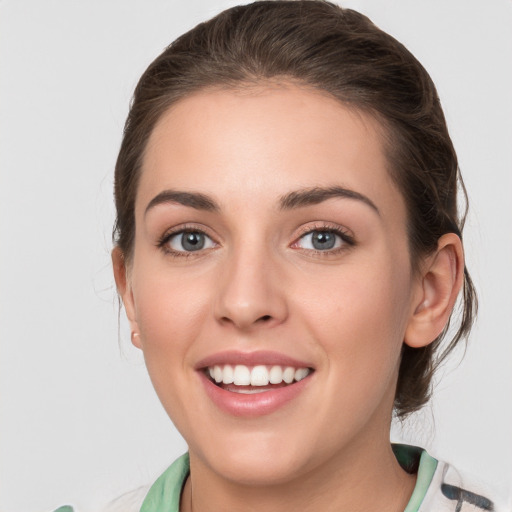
{"x": 340, "y": 52}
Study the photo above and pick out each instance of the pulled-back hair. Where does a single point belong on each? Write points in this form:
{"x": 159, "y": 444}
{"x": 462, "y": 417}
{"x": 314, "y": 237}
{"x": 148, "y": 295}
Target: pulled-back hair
{"x": 341, "y": 52}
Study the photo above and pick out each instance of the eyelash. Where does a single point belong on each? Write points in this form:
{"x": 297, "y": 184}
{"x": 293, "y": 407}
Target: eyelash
{"x": 163, "y": 242}
{"x": 347, "y": 240}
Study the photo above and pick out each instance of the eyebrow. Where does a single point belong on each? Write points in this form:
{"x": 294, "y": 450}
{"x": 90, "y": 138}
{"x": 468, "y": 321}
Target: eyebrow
{"x": 191, "y": 199}
{"x": 290, "y": 201}
{"x": 316, "y": 195}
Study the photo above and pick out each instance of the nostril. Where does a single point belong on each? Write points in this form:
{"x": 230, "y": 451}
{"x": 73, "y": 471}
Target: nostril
{"x": 265, "y": 318}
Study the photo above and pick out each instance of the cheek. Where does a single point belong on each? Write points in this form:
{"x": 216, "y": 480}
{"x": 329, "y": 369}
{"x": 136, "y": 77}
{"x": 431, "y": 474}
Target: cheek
{"x": 170, "y": 314}
{"x": 169, "y": 310}
{"x": 358, "y": 319}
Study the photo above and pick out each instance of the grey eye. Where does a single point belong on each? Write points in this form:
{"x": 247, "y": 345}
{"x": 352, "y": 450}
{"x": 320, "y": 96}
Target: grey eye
{"x": 189, "y": 241}
{"x": 320, "y": 240}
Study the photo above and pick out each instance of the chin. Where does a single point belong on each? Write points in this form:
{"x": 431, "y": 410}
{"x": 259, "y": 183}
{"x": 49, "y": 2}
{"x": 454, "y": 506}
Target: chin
{"x": 256, "y": 459}
{"x": 262, "y": 469}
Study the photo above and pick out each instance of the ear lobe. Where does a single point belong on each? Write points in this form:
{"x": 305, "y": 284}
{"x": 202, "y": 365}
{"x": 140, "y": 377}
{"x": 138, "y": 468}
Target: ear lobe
{"x": 125, "y": 292}
{"x": 440, "y": 283}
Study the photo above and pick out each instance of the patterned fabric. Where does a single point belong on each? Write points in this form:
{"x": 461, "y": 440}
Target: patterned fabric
{"x": 451, "y": 491}
{"x": 439, "y": 488}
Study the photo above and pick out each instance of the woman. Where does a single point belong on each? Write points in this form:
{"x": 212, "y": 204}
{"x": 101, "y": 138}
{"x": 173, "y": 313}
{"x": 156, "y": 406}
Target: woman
{"x": 288, "y": 251}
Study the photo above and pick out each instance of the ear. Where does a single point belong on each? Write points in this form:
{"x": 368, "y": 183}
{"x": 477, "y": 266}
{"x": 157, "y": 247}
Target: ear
{"x": 124, "y": 289}
{"x": 438, "y": 287}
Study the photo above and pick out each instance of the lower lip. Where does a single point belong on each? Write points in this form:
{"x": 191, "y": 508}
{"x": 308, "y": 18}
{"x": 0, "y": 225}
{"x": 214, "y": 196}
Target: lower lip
{"x": 256, "y": 404}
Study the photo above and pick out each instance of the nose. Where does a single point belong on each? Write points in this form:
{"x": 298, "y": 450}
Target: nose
{"x": 251, "y": 292}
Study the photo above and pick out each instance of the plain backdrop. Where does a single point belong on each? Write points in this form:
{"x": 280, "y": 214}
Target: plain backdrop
{"x": 79, "y": 420}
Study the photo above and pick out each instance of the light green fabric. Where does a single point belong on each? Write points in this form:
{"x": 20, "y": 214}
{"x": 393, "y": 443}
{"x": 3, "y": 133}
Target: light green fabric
{"x": 165, "y": 493}
{"x": 426, "y": 472}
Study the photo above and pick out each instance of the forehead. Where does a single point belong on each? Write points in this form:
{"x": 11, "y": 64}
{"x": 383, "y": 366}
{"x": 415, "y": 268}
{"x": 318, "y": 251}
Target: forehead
{"x": 256, "y": 144}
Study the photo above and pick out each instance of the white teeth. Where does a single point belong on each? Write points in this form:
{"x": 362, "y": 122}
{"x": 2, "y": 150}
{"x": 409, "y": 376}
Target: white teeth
{"x": 276, "y": 375}
{"x": 228, "y": 375}
{"x": 248, "y": 391}
{"x": 301, "y": 373}
{"x": 217, "y": 374}
{"x": 242, "y": 376}
{"x": 289, "y": 374}
{"x": 259, "y": 375}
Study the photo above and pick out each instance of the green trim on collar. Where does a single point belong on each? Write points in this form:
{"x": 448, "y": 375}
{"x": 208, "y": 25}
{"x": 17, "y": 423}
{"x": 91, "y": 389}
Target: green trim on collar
{"x": 165, "y": 493}
{"x": 426, "y": 472}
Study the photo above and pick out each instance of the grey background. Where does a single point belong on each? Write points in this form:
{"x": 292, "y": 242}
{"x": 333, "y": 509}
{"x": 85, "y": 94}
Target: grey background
{"x": 79, "y": 421}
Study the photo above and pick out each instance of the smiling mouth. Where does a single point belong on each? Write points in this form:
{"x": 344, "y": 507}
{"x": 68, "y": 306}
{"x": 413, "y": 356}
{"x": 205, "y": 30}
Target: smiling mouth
{"x": 255, "y": 379}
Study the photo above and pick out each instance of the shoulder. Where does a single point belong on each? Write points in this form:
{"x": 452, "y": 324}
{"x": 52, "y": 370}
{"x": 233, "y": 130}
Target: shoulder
{"x": 128, "y": 502}
{"x": 452, "y": 490}
{"x": 164, "y": 494}
{"x": 440, "y": 487}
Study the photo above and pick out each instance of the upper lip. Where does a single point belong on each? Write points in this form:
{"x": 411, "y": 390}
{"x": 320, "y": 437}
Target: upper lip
{"x": 260, "y": 357}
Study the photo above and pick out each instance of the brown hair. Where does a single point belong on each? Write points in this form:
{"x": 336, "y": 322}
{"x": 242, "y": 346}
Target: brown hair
{"x": 343, "y": 53}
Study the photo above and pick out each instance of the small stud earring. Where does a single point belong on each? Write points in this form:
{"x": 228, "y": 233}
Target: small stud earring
{"x": 134, "y": 335}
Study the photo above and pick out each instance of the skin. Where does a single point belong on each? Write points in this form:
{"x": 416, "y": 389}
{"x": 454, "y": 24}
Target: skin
{"x": 259, "y": 285}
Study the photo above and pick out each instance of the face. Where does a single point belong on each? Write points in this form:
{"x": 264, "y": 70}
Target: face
{"x": 271, "y": 256}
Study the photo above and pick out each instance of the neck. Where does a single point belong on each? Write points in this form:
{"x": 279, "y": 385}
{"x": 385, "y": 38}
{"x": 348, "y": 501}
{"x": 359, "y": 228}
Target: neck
{"x": 364, "y": 477}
